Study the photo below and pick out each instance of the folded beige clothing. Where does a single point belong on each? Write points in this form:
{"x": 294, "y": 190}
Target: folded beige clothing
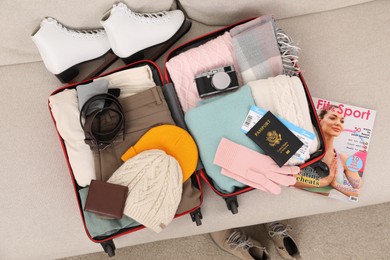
{"x": 285, "y": 97}
{"x": 66, "y": 112}
{"x": 131, "y": 81}
{"x": 65, "y": 109}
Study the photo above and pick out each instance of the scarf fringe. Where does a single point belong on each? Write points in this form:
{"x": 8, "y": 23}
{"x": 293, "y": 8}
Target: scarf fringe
{"x": 289, "y": 53}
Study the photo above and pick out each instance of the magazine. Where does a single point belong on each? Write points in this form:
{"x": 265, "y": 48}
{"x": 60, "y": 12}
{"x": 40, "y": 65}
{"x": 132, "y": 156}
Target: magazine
{"x": 347, "y": 132}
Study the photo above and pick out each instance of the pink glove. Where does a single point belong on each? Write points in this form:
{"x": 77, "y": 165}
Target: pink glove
{"x": 253, "y": 168}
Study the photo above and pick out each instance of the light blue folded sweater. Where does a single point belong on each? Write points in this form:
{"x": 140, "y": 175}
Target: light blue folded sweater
{"x": 216, "y": 118}
{"x": 98, "y": 226}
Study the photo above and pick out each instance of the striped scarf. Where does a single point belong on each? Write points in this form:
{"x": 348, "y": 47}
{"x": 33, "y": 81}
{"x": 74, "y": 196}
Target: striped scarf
{"x": 263, "y": 50}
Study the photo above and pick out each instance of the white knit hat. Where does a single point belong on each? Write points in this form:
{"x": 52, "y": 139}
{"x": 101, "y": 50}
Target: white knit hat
{"x": 155, "y": 187}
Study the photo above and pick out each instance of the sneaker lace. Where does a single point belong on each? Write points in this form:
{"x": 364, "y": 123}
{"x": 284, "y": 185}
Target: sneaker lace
{"x": 76, "y": 32}
{"x": 237, "y": 240}
{"x": 279, "y": 229}
{"x": 143, "y": 17}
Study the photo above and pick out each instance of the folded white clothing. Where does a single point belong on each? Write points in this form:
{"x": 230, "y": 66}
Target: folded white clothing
{"x": 285, "y": 96}
{"x": 131, "y": 81}
{"x": 65, "y": 109}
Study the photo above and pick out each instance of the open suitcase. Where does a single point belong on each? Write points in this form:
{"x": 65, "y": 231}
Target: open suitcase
{"x": 315, "y": 159}
{"x": 107, "y": 240}
{"x": 173, "y": 102}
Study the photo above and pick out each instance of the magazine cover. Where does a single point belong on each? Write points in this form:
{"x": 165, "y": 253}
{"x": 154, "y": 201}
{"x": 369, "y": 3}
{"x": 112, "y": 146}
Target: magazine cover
{"x": 347, "y": 131}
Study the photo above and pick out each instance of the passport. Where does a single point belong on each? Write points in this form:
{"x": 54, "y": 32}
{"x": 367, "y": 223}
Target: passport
{"x": 271, "y": 135}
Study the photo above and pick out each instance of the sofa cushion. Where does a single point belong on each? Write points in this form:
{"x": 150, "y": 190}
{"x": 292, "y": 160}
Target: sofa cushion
{"x": 223, "y": 12}
{"x": 343, "y": 58}
{"x": 19, "y": 18}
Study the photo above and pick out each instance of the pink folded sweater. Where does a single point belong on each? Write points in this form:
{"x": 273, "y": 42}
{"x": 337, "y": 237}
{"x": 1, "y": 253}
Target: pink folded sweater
{"x": 184, "y": 67}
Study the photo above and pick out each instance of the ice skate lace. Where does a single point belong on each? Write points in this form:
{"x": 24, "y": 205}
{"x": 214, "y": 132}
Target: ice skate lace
{"x": 279, "y": 229}
{"x": 237, "y": 240}
{"x": 143, "y": 17}
{"x": 76, "y": 33}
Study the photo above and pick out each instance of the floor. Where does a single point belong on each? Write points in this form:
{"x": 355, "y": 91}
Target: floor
{"x": 361, "y": 233}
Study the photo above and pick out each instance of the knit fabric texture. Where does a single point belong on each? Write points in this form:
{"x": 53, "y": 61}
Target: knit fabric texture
{"x": 285, "y": 96}
{"x": 252, "y": 168}
{"x": 155, "y": 187}
{"x": 184, "y": 67}
{"x": 223, "y": 116}
{"x": 173, "y": 140}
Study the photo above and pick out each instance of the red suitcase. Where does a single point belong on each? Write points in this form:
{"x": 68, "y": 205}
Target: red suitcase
{"x": 315, "y": 159}
{"x": 107, "y": 241}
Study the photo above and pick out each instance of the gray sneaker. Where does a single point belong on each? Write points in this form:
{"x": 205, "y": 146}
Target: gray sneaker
{"x": 285, "y": 244}
{"x": 237, "y": 243}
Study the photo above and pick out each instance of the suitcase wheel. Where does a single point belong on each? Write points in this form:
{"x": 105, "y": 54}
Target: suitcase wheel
{"x": 110, "y": 251}
{"x": 197, "y": 220}
{"x": 234, "y": 207}
{"x": 232, "y": 204}
{"x": 109, "y": 248}
{"x": 196, "y": 217}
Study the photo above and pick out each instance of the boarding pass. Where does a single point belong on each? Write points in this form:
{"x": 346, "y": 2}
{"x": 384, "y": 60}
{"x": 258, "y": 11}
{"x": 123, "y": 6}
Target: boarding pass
{"x": 306, "y": 137}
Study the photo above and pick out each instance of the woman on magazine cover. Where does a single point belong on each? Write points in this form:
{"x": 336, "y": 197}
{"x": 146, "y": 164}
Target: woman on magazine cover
{"x": 344, "y": 180}
{"x": 340, "y": 177}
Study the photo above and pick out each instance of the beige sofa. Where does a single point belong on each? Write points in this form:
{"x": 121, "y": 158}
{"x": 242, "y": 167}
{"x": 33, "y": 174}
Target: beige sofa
{"x": 344, "y": 57}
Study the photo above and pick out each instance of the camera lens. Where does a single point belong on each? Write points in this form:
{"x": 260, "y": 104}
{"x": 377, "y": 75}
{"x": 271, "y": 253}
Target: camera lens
{"x": 220, "y": 80}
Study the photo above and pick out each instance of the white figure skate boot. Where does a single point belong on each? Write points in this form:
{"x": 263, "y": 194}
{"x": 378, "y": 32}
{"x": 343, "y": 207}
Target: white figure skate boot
{"x": 131, "y": 33}
{"x": 63, "y": 49}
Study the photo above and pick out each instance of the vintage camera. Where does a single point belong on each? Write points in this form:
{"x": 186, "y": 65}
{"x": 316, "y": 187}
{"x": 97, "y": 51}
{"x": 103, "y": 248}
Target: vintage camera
{"x": 216, "y": 81}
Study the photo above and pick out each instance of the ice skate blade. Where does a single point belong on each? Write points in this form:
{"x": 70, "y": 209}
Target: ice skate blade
{"x": 154, "y": 52}
{"x": 69, "y": 75}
